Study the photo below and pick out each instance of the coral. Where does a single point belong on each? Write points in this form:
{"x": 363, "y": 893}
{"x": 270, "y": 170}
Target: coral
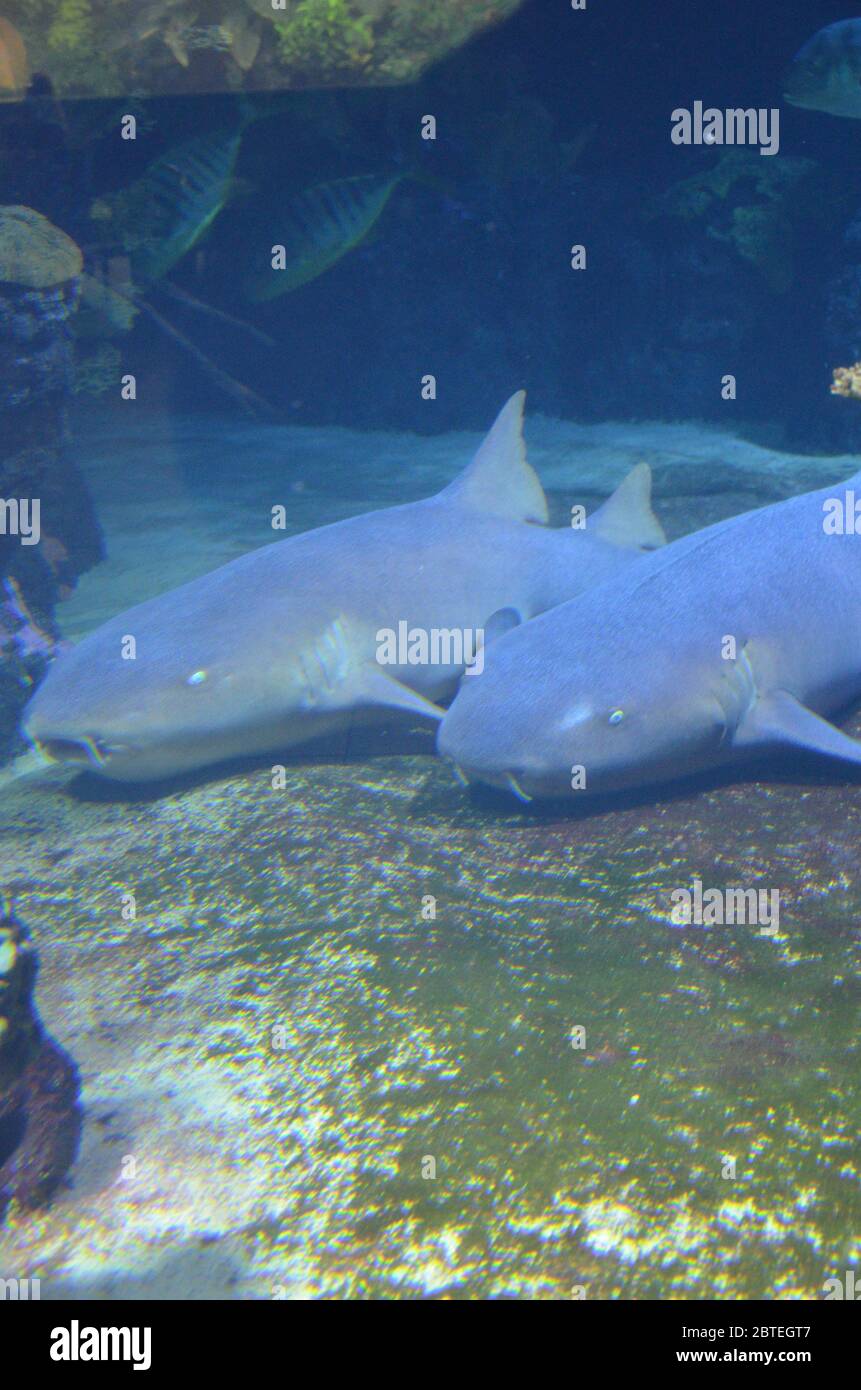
{"x": 19, "y": 628}
{"x": 35, "y": 369}
{"x": 772, "y": 180}
{"x": 412, "y": 34}
{"x": 847, "y": 382}
{"x": 751, "y": 203}
{"x": 96, "y": 372}
{"x": 72, "y": 41}
{"x": 763, "y": 237}
{"x": 105, "y": 310}
{"x": 345, "y": 41}
{"x": 26, "y": 650}
{"x": 416, "y": 35}
{"x": 40, "y": 1114}
{"x": 109, "y": 47}
{"x": 33, "y": 252}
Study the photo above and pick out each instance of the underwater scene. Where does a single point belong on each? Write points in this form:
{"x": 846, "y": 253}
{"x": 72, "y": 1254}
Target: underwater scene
{"x": 430, "y": 650}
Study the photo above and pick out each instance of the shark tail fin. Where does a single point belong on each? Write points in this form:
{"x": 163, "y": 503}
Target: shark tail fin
{"x": 499, "y": 481}
{"x": 626, "y": 518}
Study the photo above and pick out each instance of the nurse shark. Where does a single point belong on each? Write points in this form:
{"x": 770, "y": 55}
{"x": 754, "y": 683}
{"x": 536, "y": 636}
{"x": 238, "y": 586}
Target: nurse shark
{"x": 731, "y": 642}
{"x": 285, "y": 643}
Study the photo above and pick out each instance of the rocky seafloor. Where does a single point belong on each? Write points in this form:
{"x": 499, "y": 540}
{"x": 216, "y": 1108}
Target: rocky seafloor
{"x": 302, "y": 1078}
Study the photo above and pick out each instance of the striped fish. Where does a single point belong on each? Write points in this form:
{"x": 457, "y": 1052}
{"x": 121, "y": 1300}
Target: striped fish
{"x": 160, "y": 217}
{"x": 826, "y": 74}
{"x": 316, "y": 229}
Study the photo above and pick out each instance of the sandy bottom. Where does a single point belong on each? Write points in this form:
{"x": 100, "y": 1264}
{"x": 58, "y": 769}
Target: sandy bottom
{"x": 331, "y": 1055}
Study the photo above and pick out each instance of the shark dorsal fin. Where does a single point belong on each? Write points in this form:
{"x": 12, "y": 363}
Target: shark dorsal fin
{"x": 626, "y": 518}
{"x": 499, "y": 481}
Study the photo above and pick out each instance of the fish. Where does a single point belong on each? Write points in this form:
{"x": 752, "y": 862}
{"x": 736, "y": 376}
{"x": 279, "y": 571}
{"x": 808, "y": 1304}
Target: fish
{"x": 205, "y": 36}
{"x": 316, "y": 229}
{"x": 732, "y": 643}
{"x": 825, "y": 75}
{"x": 284, "y": 643}
{"x": 14, "y": 65}
{"x": 163, "y": 214}
{"x": 244, "y": 36}
{"x": 157, "y": 220}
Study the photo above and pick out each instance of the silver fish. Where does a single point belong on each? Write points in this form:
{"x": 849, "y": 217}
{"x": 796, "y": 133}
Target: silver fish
{"x": 825, "y": 75}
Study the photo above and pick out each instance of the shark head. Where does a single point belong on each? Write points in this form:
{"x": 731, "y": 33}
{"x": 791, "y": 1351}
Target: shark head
{"x": 130, "y": 726}
{"x": 151, "y": 694}
{"x": 562, "y": 708}
{"x": 182, "y": 681}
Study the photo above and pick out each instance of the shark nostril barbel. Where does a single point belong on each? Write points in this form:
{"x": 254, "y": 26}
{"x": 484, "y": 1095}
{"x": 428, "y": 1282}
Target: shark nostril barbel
{"x": 515, "y": 787}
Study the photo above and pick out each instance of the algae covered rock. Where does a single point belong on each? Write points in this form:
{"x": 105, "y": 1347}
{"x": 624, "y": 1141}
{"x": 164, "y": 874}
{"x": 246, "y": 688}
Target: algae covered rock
{"x": 755, "y": 206}
{"x": 40, "y": 1117}
{"x": 109, "y": 47}
{"x": 33, "y": 252}
{"x": 40, "y": 280}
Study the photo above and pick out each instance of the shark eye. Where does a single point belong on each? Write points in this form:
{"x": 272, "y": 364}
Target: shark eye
{"x": 617, "y": 716}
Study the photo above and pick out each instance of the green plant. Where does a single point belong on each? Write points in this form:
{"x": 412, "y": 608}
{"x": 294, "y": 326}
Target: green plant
{"x": 325, "y": 37}
{"x": 71, "y": 27}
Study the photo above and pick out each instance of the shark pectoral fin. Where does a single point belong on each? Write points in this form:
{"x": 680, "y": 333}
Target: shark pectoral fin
{"x": 626, "y": 518}
{"x": 778, "y": 718}
{"x": 377, "y": 688}
{"x": 499, "y": 481}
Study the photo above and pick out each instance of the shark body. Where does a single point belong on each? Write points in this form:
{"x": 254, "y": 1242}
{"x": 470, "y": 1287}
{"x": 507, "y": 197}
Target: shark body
{"x": 283, "y": 644}
{"x": 731, "y": 642}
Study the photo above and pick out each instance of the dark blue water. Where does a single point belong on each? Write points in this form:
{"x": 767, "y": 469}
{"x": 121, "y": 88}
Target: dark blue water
{"x": 336, "y": 1035}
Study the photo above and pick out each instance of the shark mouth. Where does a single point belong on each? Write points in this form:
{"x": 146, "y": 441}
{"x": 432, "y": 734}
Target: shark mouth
{"x": 85, "y": 751}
